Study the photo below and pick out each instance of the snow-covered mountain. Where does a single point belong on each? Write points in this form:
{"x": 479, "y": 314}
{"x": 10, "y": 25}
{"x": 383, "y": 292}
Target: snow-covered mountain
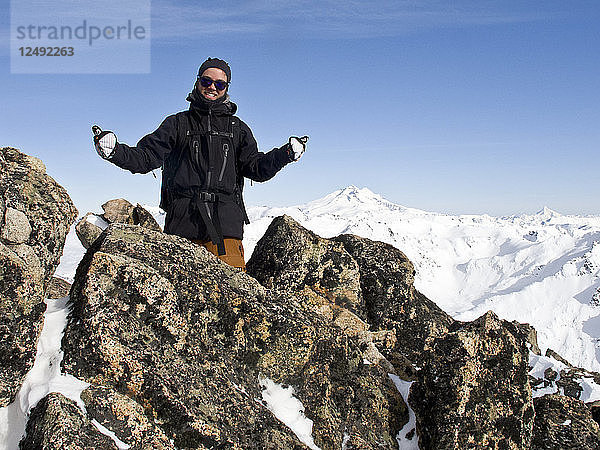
{"x": 541, "y": 269}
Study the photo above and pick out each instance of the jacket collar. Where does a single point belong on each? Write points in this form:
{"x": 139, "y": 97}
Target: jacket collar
{"x": 220, "y": 107}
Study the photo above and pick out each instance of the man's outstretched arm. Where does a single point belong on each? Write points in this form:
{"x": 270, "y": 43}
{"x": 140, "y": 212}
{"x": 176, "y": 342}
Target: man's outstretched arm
{"x": 260, "y": 166}
{"x": 147, "y": 155}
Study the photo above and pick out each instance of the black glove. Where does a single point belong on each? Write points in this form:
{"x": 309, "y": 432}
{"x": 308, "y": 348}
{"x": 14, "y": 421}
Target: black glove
{"x": 104, "y": 142}
{"x": 297, "y": 147}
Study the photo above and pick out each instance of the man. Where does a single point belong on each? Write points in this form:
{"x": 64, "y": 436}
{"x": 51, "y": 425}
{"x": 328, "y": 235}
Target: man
{"x": 205, "y": 153}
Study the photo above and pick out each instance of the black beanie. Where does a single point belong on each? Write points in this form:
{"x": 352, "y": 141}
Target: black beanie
{"x": 216, "y": 63}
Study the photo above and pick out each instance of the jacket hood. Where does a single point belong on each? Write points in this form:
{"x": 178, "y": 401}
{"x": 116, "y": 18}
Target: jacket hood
{"x": 222, "y": 106}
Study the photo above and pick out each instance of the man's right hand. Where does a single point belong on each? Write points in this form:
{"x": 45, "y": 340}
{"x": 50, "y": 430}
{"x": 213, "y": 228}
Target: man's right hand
{"x": 297, "y": 146}
{"x": 104, "y": 142}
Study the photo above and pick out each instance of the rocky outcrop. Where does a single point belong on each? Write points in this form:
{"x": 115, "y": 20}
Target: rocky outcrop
{"x": 473, "y": 389}
{"x": 291, "y": 258}
{"x": 564, "y": 423}
{"x": 391, "y": 300}
{"x": 370, "y": 279}
{"x": 178, "y": 346}
{"x": 35, "y": 216}
{"x": 57, "y": 423}
{"x": 161, "y": 321}
{"x": 90, "y": 227}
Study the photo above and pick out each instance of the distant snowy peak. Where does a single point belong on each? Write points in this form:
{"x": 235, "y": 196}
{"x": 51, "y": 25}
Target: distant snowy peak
{"x": 350, "y": 200}
{"x": 546, "y": 213}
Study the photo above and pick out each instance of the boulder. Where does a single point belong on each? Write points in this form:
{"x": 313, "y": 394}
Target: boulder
{"x": 143, "y": 218}
{"x": 121, "y": 211}
{"x": 57, "y": 423}
{"x": 564, "y": 423}
{"x": 473, "y": 390}
{"x": 348, "y": 274}
{"x": 161, "y": 321}
{"x": 123, "y": 416}
{"x": 35, "y": 214}
{"x": 291, "y": 258}
{"x": 118, "y": 211}
{"x": 89, "y": 228}
{"x": 16, "y": 228}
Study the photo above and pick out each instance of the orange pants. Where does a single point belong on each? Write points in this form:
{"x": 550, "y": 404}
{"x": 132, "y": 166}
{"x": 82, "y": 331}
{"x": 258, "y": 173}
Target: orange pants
{"x": 234, "y": 251}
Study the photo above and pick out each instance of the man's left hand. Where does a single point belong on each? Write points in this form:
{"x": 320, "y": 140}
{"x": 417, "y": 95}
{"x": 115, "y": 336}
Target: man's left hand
{"x": 104, "y": 142}
{"x": 297, "y": 147}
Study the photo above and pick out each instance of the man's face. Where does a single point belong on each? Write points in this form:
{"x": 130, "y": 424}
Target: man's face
{"x": 211, "y": 92}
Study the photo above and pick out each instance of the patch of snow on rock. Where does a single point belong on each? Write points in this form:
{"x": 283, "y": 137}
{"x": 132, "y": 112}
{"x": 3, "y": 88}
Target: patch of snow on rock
{"x": 287, "y": 408}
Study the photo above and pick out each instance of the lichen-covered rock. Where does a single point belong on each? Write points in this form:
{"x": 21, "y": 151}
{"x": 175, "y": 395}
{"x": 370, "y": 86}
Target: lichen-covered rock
{"x": 2, "y": 210}
{"x": 143, "y": 218}
{"x": 57, "y": 423}
{"x": 346, "y": 393}
{"x": 121, "y": 211}
{"x": 16, "y": 228}
{"x": 351, "y": 278}
{"x": 118, "y": 210}
{"x": 58, "y": 288}
{"x": 291, "y": 258}
{"x": 124, "y": 417}
{"x": 87, "y": 229}
{"x": 162, "y": 321}
{"x": 21, "y": 311}
{"x": 36, "y": 216}
{"x": 528, "y": 333}
{"x": 563, "y": 423}
{"x": 391, "y": 300}
{"x": 472, "y": 391}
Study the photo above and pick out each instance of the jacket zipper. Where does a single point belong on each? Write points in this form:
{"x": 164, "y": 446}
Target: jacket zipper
{"x": 196, "y": 155}
{"x": 225, "y": 151}
{"x": 209, "y": 174}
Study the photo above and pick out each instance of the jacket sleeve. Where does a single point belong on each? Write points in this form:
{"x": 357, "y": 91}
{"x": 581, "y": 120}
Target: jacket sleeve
{"x": 259, "y": 166}
{"x": 150, "y": 151}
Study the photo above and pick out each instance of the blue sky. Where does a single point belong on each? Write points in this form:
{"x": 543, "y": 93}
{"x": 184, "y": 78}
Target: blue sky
{"x": 458, "y": 107}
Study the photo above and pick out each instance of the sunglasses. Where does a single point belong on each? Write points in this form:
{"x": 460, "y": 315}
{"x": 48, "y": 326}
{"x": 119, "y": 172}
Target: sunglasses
{"x": 206, "y": 82}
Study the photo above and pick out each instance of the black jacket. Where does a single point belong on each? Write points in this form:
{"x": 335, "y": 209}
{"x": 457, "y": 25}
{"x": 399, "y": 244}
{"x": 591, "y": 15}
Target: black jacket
{"x": 190, "y": 157}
